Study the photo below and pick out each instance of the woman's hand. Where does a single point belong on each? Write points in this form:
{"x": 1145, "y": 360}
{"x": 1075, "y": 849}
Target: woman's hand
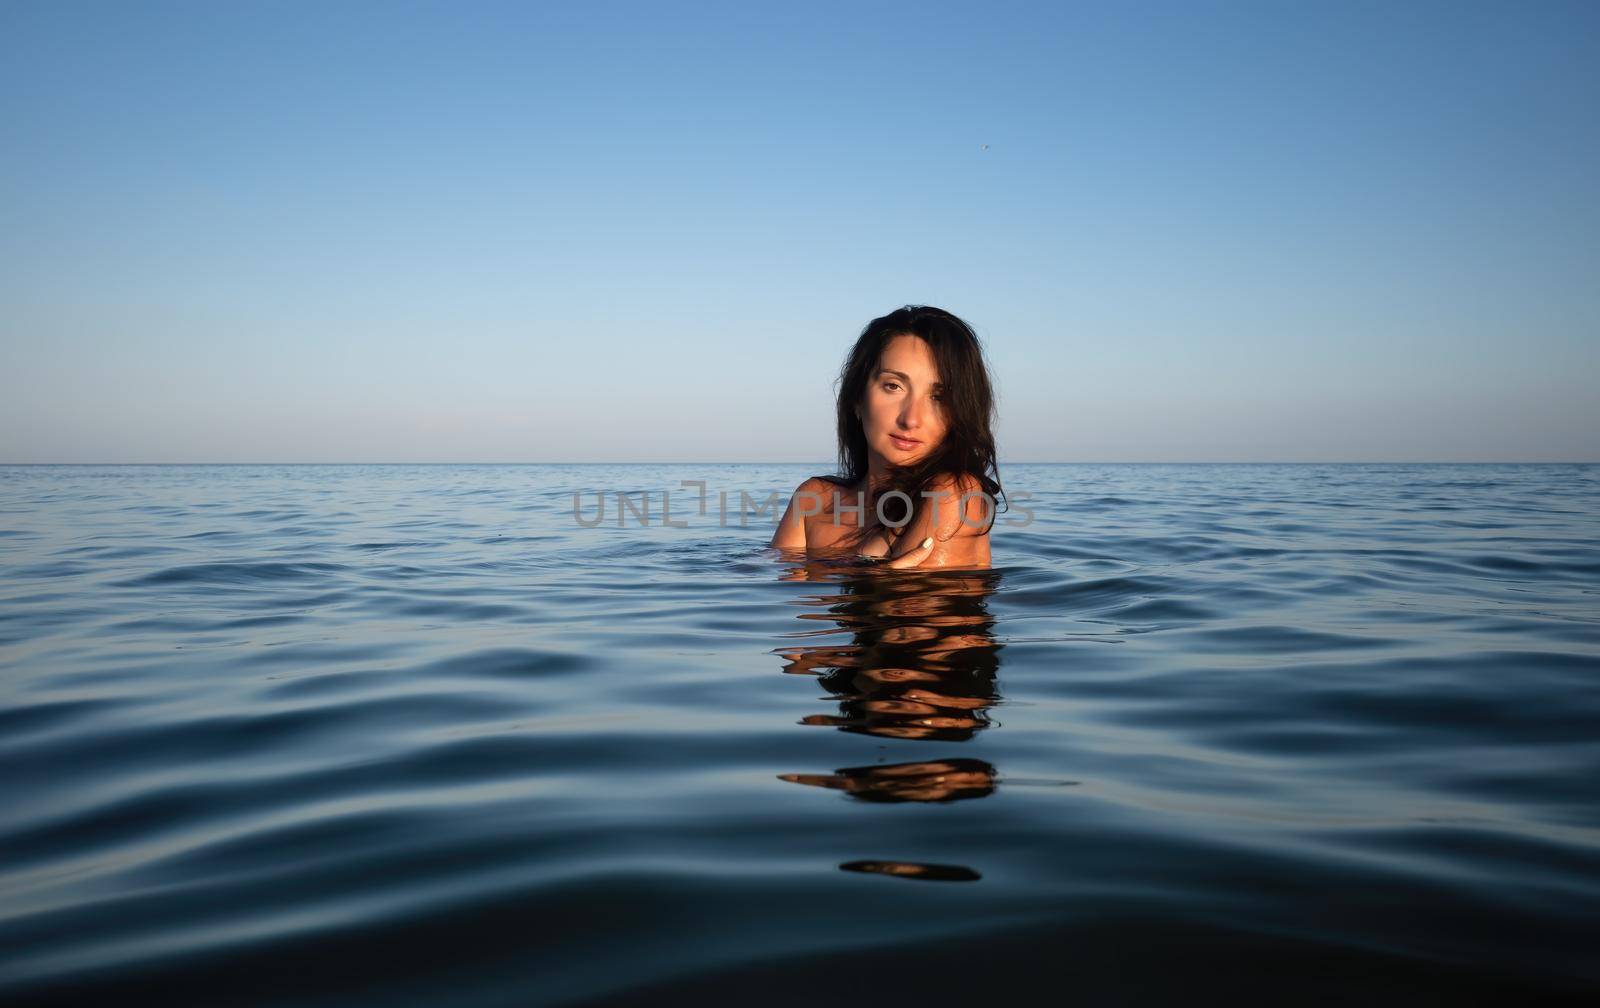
{"x": 912, "y": 557}
{"x": 874, "y": 546}
{"x": 898, "y": 553}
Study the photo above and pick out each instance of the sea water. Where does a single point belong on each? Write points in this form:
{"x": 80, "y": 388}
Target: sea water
{"x": 349, "y": 735}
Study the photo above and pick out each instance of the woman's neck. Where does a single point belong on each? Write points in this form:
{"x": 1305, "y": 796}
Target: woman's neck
{"x": 877, "y": 476}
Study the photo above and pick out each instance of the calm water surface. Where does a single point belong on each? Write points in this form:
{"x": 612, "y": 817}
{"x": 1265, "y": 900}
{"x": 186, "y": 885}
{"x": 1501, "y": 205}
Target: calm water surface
{"x": 327, "y": 735}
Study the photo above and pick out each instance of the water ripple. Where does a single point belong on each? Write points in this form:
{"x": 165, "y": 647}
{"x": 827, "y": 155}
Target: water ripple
{"x": 336, "y": 735}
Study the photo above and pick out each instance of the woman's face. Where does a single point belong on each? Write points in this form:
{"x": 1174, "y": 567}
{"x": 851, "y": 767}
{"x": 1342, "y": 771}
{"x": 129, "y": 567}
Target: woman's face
{"x": 902, "y": 411}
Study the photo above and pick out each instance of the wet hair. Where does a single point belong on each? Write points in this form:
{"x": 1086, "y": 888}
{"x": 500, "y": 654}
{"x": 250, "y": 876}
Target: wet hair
{"x": 968, "y": 406}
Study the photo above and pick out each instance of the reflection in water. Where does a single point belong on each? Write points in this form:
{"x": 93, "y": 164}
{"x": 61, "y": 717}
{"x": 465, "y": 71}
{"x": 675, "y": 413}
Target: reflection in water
{"x": 923, "y": 659}
{"x": 921, "y": 664}
{"x": 911, "y": 869}
{"x": 939, "y": 780}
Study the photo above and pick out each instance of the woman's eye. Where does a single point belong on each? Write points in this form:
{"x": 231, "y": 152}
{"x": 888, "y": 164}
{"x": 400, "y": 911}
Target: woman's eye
{"x": 890, "y": 386}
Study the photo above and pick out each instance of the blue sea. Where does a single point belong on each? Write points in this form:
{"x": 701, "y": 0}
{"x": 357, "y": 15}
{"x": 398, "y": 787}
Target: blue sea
{"x": 434, "y": 735}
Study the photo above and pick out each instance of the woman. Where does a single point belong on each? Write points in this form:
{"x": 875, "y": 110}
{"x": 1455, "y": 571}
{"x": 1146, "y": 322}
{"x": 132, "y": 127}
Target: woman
{"x": 918, "y": 485}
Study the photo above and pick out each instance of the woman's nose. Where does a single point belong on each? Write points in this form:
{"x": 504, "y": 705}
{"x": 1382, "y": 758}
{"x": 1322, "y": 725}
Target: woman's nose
{"x": 911, "y": 413}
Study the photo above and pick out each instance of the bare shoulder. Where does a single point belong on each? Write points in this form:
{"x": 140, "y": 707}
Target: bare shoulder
{"x": 956, "y": 483}
{"x": 809, "y": 498}
{"x": 963, "y": 506}
{"x": 814, "y": 494}
{"x": 816, "y": 484}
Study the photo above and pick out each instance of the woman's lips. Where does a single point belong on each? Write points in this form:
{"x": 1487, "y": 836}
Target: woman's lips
{"x": 904, "y": 444}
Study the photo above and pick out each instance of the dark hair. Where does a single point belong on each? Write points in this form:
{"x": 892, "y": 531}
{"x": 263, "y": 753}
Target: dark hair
{"x": 968, "y": 405}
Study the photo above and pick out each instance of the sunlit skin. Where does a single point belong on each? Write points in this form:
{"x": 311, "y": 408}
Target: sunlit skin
{"x": 903, "y": 419}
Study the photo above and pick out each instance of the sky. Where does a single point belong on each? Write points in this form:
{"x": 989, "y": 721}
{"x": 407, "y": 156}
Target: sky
{"x": 541, "y": 232}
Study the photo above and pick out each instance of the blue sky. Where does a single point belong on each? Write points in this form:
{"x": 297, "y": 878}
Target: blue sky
{"x": 613, "y": 232}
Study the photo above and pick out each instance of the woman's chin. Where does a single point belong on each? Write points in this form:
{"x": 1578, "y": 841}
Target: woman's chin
{"x": 904, "y": 456}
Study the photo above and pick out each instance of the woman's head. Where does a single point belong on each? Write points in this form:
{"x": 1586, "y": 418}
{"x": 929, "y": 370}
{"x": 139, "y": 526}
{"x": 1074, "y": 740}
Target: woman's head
{"x": 915, "y": 401}
{"x": 901, "y": 410}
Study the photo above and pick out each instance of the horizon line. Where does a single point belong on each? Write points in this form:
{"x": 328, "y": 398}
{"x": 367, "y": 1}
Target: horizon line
{"x": 633, "y": 462}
